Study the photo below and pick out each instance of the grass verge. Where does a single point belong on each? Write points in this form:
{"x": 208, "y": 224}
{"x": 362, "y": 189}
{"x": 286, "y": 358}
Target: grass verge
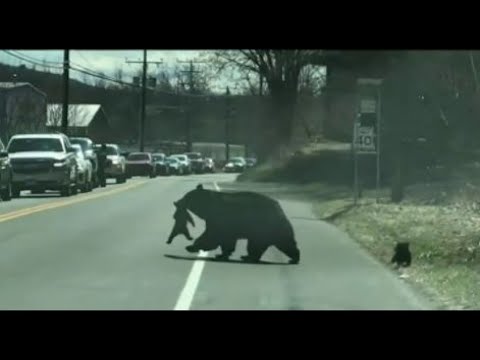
{"x": 442, "y": 223}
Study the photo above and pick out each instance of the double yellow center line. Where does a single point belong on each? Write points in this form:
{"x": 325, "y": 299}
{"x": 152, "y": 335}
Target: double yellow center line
{"x": 58, "y": 204}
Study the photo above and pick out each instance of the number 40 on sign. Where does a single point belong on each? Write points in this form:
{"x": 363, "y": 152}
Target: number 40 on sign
{"x": 365, "y": 139}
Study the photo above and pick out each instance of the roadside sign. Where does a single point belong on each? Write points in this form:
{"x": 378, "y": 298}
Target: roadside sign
{"x": 366, "y": 128}
{"x": 365, "y": 140}
{"x": 368, "y": 106}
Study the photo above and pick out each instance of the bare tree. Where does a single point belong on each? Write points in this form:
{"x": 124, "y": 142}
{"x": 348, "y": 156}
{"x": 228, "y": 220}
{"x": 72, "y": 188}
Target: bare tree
{"x": 101, "y": 83}
{"x": 23, "y": 114}
{"x": 281, "y": 70}
{"x": 165, "y": 80}
{"x": 118, "y": 73}
{"x": 76, "y": 115}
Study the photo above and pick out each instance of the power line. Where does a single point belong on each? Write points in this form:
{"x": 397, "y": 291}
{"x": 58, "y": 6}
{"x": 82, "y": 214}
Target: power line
{"x": 188, "y": 126}
{"x": 31, "y": 61}
{"x": 144, "y": 93}
{"x": 87, "y": 71}
{"x": 57, "y": 63}
{"x": 84, "y": 58}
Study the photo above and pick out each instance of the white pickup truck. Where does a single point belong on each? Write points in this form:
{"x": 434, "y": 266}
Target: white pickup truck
{"x": 42, "y": 162}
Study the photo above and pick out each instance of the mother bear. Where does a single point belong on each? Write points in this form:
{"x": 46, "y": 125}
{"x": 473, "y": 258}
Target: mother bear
{"x": 240, "y": 215}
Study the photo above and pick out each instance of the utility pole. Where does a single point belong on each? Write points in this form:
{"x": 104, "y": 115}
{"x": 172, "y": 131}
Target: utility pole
{"x": 191, "y": 88}
{"x": 474, "y": 70}
{"x": 227, "y": 125}
{"x": 144, "y": 95}
{"x": 66, "y": 67}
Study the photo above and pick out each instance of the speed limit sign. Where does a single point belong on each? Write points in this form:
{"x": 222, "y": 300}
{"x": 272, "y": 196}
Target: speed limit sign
{"x": 365, "y": 139}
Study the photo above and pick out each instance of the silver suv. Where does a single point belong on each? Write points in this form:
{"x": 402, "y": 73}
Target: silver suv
{"x": 42, "y": 162}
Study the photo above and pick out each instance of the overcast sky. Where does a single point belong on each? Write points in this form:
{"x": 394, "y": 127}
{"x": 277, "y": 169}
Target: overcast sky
{"x": 104, "y": 61}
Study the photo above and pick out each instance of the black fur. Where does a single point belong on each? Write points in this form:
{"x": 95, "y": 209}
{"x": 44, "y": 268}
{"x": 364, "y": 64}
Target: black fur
{"x": 402, "y": 255}
{"x": 182, "y": 218}
{"x": 240, "y": 215}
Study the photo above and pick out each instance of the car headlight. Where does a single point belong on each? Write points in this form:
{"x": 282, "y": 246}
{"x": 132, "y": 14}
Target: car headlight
{"x": 59, "y": 164}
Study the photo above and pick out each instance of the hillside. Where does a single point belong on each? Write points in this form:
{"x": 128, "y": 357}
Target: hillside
{"x": 120, "y": 105}
{"x": 166, "y": 112}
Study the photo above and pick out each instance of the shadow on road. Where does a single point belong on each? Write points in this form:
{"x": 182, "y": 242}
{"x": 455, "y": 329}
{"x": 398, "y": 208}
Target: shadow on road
{"x": 232, "y": 261}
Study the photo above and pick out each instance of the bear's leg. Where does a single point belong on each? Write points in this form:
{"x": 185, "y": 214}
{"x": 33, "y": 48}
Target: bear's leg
{"x": 228, "y": 247}
{"x": 255, "y": 250}
{"x": 203, "y": 242}
{"x": 291, "y": 250}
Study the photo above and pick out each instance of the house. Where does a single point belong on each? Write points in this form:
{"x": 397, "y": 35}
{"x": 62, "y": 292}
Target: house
{"x": 89, "y": 120}
{"x": 23, "y": 109}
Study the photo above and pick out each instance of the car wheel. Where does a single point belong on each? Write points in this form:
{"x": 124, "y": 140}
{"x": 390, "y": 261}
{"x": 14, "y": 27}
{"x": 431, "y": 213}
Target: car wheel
{"x": 15, "y": 192}
{"x": 6, "y": 195}
{"x": 66, "y": 191}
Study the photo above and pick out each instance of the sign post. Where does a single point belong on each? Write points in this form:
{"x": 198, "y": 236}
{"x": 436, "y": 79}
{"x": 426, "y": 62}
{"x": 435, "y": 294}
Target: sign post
{"x": 366, "y": 134}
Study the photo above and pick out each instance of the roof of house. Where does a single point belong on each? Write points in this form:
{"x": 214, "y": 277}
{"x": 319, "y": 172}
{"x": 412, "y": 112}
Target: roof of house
{"x": 79, "y": 115}
{"x": 15, "y": 85}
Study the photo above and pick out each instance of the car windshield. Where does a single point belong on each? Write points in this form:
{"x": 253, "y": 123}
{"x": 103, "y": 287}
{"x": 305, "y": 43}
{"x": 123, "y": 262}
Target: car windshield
{"x": 85, "y": 144}
{"x": 180, "y": 157}
{"x": 194, "y": 156}
{"x": 35, "y": 144}
{"x": 78, "y": 151}
{"x": 139, "y": 157}
{"x": 237, "y": 161}
{"x": 159, "y": 157}
{"x": 112, "y": 150}
{"x": 172, "y": 160}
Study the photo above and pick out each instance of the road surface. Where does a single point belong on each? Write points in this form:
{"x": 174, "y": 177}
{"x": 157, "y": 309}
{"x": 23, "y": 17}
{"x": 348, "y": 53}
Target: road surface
{"x": 107, "y": 250}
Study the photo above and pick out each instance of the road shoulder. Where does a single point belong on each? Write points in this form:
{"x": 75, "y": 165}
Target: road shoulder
{"x": 335, "y": 272}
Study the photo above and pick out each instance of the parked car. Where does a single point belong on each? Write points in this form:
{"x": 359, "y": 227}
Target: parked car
{"x": 89, "y": 153}
{"x": 161, "y": 166}
{"x": 185, "y": 165}
{"x": 116, "y": 167}
{"x": 5, "y": 174}
{"x": 209, "y": 165}
{"x": 42, "y": 162}
{"x": 141, "y": 164}
{"x": 251, "y": 162}
{"x": 174, "y": 166}
{"x": 236, "y": 164}
{"x": 197, "y": 162}
{"x": 84, "y": 170}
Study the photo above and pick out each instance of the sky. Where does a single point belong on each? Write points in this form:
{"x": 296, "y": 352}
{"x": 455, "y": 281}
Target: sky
{"x": 106, "y": 61}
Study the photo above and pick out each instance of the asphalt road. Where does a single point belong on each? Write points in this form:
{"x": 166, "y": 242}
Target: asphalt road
{"x": 107, "y": 250}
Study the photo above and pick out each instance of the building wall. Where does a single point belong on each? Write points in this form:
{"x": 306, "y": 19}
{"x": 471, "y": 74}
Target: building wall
{"x": 99, "y": 130}
{"x": 22, "y": 110}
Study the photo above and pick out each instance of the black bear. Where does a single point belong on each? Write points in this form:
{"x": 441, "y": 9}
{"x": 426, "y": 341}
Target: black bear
{"x": 182, "y": 218}
{"x": 402, "y": 255}
{"x": 230, "y": 216}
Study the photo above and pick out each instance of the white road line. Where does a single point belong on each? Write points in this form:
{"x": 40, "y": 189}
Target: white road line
{"x": 185, "y": 299}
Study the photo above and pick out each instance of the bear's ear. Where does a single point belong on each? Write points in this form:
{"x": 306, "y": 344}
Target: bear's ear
{"x": 199, "y": 187}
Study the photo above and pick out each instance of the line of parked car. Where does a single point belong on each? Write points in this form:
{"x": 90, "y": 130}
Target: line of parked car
{"x": 55, "y": 162}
